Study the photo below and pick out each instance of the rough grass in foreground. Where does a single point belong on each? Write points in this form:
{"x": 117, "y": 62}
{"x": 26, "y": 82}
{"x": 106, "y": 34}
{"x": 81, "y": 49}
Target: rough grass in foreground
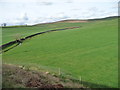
{"x": 21, "y": 77}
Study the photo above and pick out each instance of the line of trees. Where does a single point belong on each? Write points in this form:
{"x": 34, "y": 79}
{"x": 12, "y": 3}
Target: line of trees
{"x": 4, "y": 24}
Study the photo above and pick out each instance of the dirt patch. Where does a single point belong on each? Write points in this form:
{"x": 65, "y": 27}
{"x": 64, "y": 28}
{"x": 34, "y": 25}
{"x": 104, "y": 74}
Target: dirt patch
{"x": 75, "y": 21}
{"x": 19, "y": 77}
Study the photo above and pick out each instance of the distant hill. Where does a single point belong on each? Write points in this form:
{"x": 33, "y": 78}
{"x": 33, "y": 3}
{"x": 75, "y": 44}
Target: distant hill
{"x": 81, "y": 21}
{"x": 106, "y": 18}
{"x": 67, "y": 21}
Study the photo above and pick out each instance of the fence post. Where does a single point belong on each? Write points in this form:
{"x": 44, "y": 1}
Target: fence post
{"x": 59, "y": 72}
{"x": 80, "y": 78}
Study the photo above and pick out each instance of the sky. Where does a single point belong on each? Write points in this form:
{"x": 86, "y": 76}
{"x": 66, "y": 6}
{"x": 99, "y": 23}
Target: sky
{"x": 21, "y": 12}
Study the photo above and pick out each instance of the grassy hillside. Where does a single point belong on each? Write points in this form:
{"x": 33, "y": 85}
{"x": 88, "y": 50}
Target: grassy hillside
{"x": 10, "y": 33}
{"x": 89, "y": 52}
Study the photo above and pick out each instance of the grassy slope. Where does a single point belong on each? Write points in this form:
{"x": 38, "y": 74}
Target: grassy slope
{"x": 9, "y": 34}
{"x": 89, "y": 52}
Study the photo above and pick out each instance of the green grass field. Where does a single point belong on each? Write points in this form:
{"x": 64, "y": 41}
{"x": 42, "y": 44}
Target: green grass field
{"x": 89, "y": 52}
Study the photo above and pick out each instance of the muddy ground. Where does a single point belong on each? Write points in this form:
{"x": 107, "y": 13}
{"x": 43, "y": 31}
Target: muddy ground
{"x": 19, "y": 77}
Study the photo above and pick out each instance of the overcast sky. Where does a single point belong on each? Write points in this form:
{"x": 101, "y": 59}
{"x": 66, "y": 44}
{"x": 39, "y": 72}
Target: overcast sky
{"x": 18, "y": 12}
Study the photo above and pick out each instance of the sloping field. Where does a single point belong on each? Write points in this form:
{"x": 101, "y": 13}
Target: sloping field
{"x": 89, "y": 52}
{"x": 12, "y": 32}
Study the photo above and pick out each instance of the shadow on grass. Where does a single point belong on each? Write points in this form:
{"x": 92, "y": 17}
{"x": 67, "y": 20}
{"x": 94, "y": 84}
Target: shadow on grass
{"x": 92, "y": 85}
{"x": 10, "y": 48}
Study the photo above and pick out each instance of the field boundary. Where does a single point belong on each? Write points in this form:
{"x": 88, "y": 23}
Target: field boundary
{"x": 27, "y": 37}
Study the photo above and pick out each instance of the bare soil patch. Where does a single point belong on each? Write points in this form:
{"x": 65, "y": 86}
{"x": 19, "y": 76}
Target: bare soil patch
{"x": 19, "y": 77}
{"x": 76, "y": 21}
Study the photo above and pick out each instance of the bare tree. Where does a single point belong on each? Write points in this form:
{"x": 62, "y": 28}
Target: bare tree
{"x": 17, "y": 36}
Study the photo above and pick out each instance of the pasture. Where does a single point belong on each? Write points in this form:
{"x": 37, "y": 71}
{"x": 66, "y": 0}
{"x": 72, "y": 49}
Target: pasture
{"x": 89, "y": 52}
